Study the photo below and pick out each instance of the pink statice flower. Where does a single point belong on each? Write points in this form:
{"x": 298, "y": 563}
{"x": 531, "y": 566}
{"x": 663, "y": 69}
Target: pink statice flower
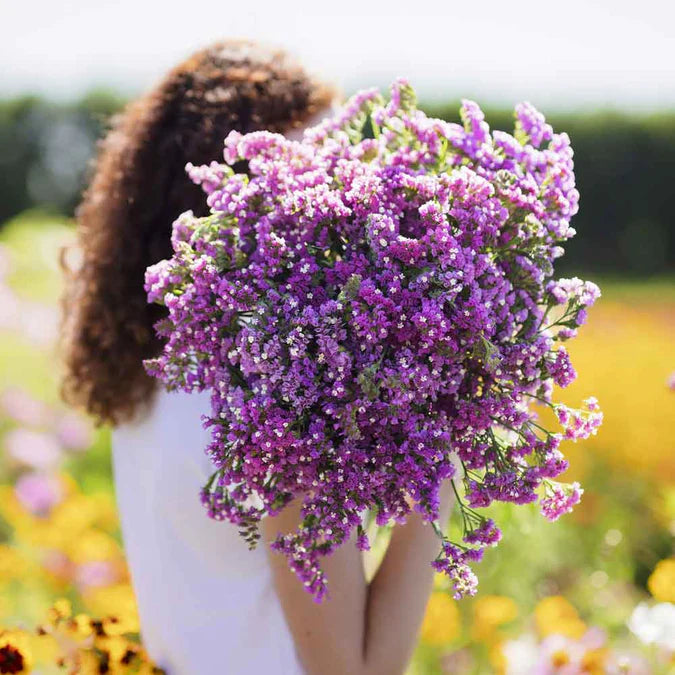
{"x": 74, "y": 431}
{"x": 5, "y": 263}
{"x": 560, "y": 498}
{"x": 574, "y": 291}
{"x": 38, "y": 493}
{"x": 24, "y": 408}
{"x": 95, "y": 573}
{"x": 39, "y": 323}
{"x": 9, "y": 308}
{"x": 579, "y": 424}
{"x": 671, "y": 382}
{"x": 58, "y": 564}
{"x": 34, "y": 449}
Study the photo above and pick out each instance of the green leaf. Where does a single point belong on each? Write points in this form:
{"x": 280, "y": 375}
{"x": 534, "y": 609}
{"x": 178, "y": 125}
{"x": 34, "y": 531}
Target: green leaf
{"x": 368, "y": 381}
{"x": 486, "y": 352}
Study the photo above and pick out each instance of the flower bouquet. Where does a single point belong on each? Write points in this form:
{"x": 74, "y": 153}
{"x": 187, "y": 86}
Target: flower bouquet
{"x": 372, "y": 310}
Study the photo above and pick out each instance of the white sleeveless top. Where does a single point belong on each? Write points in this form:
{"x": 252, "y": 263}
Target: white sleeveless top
{"x": 206, "y": 603}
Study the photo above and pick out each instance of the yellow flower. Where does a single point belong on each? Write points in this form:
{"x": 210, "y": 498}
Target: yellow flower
{"x": 555, "y": 615}
{"x": 12, "y": 510}
{"x": 150, "y": 669}
{"x": 93, "y": 545}
{"x": 75, "y": 515}
{"x": 642, "y": 328}
{"x": 15, "y": 654}
{"x": 88, "y": 662}
{"x": 497, "y": 658}
{"x": 489, "y": 612}
{"x": 57, "y": 569}
{"x": 441, "y": 623}
{"x": 79, "y": 628}
{"x": 69, "y": 632}
{"x": 113, "y": 625}
{"x": 118, "y": 604}
{"x": 60, "y": 610}
{"x": 115, "y": 646}
{"x": 45, "y": 648}
{"x": 111, "y": 654}
{"x": 661, "y": 582}
{"x": 66, "y": 522}
{"x": 12, "y": 564}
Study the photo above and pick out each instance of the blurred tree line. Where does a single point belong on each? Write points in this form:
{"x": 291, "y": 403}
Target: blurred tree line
{"x": 625, "y": 167}
{"x": 46, "y": 149}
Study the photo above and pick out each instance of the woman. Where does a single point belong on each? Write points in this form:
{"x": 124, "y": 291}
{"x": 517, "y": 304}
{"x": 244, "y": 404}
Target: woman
{"x": 207, "y": 604}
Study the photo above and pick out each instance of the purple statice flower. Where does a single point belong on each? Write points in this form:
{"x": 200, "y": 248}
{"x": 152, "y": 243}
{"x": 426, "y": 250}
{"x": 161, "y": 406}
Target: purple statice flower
{"x": 532, "y": 125}
{"x": 373, "y": 316}
{"x": 454, "y": 563}
{"x": 486, "y": 534}
{"x": 560, "y": 367}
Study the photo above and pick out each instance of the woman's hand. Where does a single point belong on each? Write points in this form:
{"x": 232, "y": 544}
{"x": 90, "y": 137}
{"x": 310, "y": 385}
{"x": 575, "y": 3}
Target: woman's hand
{"x": 360, "y": 628}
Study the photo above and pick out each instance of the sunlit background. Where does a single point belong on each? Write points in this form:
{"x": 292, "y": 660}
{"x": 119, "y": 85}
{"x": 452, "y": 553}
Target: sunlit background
{"x": 592, "y": 593}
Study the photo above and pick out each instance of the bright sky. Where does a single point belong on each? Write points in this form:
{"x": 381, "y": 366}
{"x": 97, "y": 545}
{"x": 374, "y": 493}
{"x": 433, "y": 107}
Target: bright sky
{"x": 558, "y": 54}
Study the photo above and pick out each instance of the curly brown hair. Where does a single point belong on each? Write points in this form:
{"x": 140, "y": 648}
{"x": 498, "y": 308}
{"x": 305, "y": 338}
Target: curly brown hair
{"x": 139, "y": 187}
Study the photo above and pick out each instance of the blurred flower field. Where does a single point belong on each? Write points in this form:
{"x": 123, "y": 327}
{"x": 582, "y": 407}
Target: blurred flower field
{"x": 593, "y": 593}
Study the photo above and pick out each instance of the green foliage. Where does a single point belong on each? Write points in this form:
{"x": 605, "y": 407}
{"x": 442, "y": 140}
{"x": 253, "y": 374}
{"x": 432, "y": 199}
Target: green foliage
{"x": 46, "y": 148}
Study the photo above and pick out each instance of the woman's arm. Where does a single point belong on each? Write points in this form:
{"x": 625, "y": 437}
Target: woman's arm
{"x": 360, "y": 628}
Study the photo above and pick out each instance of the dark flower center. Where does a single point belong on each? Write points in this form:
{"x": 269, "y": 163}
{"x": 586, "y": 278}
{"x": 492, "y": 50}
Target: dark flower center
{"x": 11, "y": 660}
